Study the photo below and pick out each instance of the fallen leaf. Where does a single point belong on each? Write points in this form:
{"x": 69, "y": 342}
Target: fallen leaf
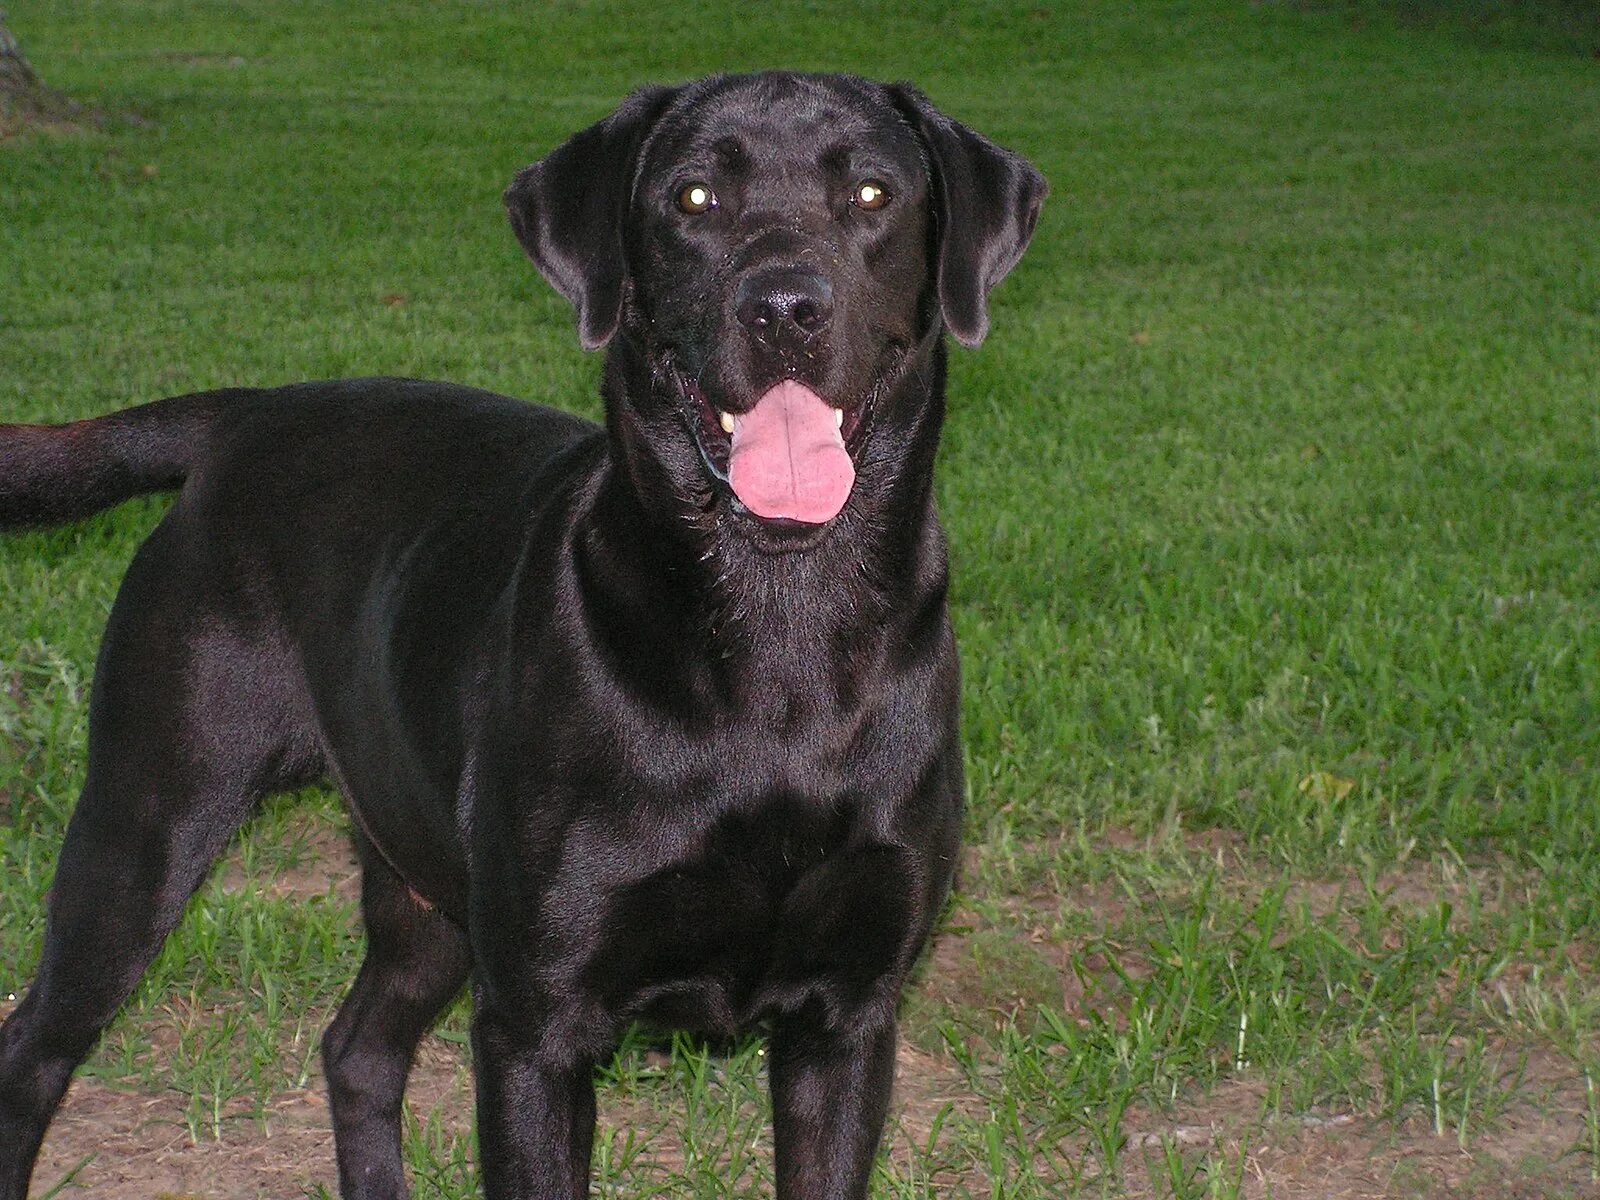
{"x": 1324, "y": 786}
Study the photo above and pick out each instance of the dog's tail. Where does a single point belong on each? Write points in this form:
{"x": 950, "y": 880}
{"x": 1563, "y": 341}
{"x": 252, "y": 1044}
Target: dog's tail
{"x": 55, "y": 473}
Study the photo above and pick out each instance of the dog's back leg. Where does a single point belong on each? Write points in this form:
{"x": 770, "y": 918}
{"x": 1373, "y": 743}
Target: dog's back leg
{"x": 417, "y": 960}
{"x": 188, "y": 727}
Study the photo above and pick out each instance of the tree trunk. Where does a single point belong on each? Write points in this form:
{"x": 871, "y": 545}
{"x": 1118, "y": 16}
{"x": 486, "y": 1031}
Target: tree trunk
{"x": 17, "y": 78}
{"x": 23, "y": 96}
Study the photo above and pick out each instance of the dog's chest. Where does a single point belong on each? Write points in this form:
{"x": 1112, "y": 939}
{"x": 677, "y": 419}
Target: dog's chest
{"x": 779, "y": 906}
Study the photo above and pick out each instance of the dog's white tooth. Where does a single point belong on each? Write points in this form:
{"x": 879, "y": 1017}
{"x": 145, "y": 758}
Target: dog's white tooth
{"x": 725, "y": 419}
{"x": 838, "y": 417}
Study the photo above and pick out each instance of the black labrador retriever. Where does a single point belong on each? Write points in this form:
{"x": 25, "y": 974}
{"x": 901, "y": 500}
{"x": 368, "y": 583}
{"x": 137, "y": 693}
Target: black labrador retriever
{"x": 655, "y": 722}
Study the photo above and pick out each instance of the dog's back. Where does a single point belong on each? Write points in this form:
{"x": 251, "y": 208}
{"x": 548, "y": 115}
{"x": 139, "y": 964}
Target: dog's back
{"x": 303, "y": 436}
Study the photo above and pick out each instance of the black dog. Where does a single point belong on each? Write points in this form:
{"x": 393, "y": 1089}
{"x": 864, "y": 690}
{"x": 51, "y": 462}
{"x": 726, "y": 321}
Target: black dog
{"x": 655, "y": 722}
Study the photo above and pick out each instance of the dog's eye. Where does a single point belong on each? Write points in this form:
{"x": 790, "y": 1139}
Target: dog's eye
{"x": 697, "y": 198}
{"x": 870, "y": 194}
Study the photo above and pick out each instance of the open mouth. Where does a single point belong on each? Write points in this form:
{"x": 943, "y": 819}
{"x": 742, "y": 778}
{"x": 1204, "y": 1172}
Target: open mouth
{"x": 789, "y": 456}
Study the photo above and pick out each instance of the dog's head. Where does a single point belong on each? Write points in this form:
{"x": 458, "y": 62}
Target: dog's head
{"x": 776, "y": 256}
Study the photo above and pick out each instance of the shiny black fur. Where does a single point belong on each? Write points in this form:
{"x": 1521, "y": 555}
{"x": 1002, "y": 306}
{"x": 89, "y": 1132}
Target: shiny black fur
{"x": 616, "y": 749}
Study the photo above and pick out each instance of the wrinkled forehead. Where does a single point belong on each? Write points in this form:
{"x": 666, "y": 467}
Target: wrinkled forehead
{"x": 785, "y": 123}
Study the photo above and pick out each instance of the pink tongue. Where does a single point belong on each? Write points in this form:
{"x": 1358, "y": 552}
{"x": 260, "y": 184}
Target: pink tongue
{"x": 788, "y": 459}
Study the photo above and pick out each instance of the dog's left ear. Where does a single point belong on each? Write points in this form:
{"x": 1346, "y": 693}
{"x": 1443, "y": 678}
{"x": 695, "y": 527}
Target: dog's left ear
{"x": 985, "y": 204}
{"x": 567, "y": 211}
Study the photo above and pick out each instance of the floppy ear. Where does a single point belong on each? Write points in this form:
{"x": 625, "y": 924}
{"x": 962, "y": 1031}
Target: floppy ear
{"x": 985, "y": 204}
{"x": 567, "y": 211}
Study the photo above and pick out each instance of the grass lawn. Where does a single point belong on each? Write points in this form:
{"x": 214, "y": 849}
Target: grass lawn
{"x": 1274, "y": 502}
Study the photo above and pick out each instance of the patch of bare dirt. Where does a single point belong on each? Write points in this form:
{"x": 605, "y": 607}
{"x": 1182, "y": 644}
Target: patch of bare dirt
{"x": 138, "y": 1146}
{"x": 1415, "y": 885}
{"x": 25, "y": 101}
{"x": 319, "y": 859}
{"x": 42, "y": 111}
{"x": 925, "y": 1086}
{"x": 134, "y": 1146}
{"x": 123, "y": 1146}
{"x": 200, "y": 58}
{"x": 1411, "y": 887}
{"x": 1532, "y": 1151}
{"x": 14, "y": 125}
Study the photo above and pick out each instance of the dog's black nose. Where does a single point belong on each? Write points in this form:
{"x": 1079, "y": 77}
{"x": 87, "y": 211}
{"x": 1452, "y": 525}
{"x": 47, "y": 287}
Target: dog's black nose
{"x": 783, "y": 302}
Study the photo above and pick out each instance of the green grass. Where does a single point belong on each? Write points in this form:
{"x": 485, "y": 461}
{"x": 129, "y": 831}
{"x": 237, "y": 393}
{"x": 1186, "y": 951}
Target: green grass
{"x": 1274, "y": 503}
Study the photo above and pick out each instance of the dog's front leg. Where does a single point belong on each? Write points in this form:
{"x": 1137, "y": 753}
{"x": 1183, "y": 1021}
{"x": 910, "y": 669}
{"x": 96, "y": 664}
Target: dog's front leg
{"x": 535, "y": 1110}
{"x": 830, "y": 1095}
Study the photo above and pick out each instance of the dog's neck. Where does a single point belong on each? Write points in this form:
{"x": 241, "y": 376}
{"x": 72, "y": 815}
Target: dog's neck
{"x": 677, "y": 555}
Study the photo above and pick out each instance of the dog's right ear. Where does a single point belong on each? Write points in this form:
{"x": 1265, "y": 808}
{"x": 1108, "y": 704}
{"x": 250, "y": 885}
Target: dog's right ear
{"x": 567, "y": 211}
